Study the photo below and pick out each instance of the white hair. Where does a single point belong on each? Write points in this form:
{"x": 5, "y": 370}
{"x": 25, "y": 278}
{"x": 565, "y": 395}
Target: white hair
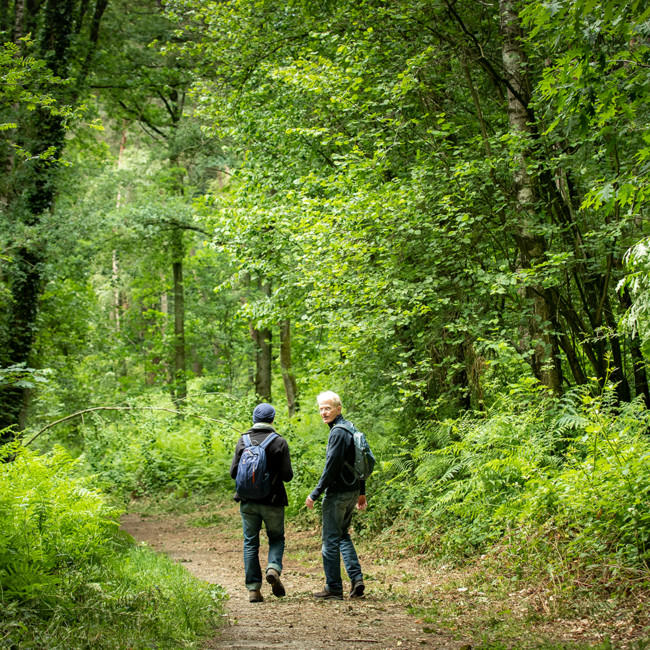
{"x": 329, "y": 396}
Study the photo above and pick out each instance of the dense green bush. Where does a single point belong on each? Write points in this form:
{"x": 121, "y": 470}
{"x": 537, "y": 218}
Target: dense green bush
{"x": 51, "y": 520}
{"x": 70, "y": 579}
{"x": 573, "y": 474}
{"x": 595, "y": 505}
{"x": 152, "y": 450}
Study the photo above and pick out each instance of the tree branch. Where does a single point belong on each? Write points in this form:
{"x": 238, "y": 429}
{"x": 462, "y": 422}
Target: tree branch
{"x": 124, "y": 408}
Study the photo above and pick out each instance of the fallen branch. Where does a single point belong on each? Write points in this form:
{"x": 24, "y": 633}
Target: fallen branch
{"x": 125, "y": 408}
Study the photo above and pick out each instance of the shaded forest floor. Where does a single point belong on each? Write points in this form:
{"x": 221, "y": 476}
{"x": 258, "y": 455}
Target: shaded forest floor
{"x": 409, "y": 604}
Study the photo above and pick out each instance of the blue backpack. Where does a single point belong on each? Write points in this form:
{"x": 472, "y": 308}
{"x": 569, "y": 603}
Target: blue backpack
{"x": 253, "y": 479}
{"x": 364, "y": 459}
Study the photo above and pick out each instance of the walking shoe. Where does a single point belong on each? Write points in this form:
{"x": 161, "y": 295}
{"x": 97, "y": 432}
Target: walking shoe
{"x": 326, "y": 594}
{"x": 273, "y": 578}
{"x": 357, "y": 589}
{"x": 255, "y": 596}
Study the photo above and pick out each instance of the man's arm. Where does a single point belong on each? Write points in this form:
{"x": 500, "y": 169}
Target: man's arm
{"x": 333, "y": 462}
{"x": 286, "y": 470}
{"x": 235, "y": 459}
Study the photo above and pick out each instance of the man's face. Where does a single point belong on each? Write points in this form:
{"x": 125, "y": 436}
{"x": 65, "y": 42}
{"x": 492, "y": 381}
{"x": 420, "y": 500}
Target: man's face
{"x": 328, "y": 412}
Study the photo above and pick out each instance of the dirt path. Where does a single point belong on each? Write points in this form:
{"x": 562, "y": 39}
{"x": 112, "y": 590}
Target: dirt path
{"x": 297, "y": 621}
{"x": 465, "y": 609}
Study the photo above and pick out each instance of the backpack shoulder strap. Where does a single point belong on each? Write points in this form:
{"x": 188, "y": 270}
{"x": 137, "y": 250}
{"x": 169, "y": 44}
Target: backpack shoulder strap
{"x": 269, "y": 439}
{"x": 348, "y": 426}
{"x": 247, "y": 440}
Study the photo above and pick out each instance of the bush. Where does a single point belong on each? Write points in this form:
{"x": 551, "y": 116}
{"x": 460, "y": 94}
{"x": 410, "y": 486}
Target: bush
{"x": 571, "y": 473}
{"x": 51, "y": 520}
{"x": 70, "y": 579}
{"x": 595, "y": 506}
{"x": 151, "y": 452}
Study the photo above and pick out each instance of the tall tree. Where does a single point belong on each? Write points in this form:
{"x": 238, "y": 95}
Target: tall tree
{"x": 147, "y": 87}
{"x": 435, "y": 193}
{"x": 532, "y": 245}
{"x": 65, "y": 35}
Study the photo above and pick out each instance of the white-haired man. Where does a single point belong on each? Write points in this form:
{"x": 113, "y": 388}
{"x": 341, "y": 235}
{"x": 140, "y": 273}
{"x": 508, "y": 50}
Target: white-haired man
{"x": 343, "y": 494}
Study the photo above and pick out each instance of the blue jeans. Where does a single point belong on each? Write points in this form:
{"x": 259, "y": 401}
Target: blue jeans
{"x": 252, "y": 516}
{"x": 337, "y": 515}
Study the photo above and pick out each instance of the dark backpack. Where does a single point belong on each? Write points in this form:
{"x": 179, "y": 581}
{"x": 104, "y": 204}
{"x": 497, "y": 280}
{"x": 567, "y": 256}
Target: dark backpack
{"x": 253, "y": 480}
{"x": 364, "y": 459}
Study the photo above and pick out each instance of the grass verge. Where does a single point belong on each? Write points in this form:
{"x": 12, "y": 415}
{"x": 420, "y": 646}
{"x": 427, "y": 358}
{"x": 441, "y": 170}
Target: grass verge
{"x": 138, "y": 599}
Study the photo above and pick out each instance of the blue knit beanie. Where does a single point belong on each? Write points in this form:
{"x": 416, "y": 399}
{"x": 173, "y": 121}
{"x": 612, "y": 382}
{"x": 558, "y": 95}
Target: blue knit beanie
{"x": 263, "y": 413}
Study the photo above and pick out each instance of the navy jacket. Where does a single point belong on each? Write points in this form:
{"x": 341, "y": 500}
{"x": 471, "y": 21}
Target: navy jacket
{"x": 278, "y": 462}
{"x": 338, "y": 475}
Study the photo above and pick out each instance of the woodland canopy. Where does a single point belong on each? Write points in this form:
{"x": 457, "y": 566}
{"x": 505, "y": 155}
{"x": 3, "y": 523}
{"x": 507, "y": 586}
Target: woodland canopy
{"x": 438, "y": 209}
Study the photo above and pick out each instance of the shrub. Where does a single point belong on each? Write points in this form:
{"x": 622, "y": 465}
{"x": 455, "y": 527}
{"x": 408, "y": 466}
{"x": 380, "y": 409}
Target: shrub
{"x": 595, "y": 506}
{"x": 70, "y": 579}
{"x": 570, "y": 473}
{"x": 52, "y": 519}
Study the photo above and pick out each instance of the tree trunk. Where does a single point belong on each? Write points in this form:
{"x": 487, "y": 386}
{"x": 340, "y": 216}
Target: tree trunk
{"x": 262, "y": 340}
{"x": 532, "y": 247}
{"x": 638, "y": 362}
{"x": 616, "y": 371}
{"x": 288, "y": 377}
{"x": 115, "y": 274}
{"x": 19, "y": 20}
{"x": 262, "y": 377}
{"x": 179, "y": 381}
{"x": 474, "y": 369}
{"x": 573, "y": 360}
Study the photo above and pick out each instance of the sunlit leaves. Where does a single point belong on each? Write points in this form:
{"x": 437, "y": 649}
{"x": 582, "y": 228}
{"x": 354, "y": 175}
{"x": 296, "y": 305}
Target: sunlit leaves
{"x": 376, "y": 180}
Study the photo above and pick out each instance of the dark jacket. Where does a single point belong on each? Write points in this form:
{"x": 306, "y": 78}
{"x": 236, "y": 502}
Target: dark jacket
{"x": 278, "y": 463}
{"x": 338, "y": 475}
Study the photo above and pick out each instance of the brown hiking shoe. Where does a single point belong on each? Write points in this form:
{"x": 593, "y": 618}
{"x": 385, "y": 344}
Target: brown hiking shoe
{"x": 255, "y": 596}
{"x": 326, "y": 594}
{"x": 357, "y": 589}
{"x": 273, "y": 578}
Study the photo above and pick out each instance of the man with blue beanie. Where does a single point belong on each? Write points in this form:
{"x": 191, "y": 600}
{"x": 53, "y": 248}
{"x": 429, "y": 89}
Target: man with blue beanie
{"x": 267, "y": 509}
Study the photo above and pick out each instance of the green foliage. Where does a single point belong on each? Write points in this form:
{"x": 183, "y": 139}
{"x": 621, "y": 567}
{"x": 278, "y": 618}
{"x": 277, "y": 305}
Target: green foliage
{"x": 51, "y": 521}
{"x": 636, "y": 318}
{"x": 568, "y": 479}
{"x": 26, "y": 81}
{"x": 153, "y": 451}
{"x": 593, "y": 508}
{"x": 23, "y": 377}
{"x": 69, "y": 579}
{"x": 376, "y": 160}
{"x": 135, "y": 599}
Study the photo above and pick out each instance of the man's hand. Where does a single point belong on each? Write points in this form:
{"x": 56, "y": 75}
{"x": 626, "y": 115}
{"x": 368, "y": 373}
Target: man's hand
{"x": 309, "y": 502}
{"x": 362, "y": 502}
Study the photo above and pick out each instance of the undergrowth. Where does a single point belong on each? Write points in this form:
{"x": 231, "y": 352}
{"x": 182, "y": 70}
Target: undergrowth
{"x": 70, "y": 579}
{"x": 559, "y": 486}
{"x": 564, "y": 483}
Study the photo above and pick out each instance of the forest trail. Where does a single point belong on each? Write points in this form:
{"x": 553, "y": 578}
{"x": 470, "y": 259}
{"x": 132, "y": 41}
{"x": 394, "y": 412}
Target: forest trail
{"x": 213, "y": 553}
{"x": 462, "y": 616}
